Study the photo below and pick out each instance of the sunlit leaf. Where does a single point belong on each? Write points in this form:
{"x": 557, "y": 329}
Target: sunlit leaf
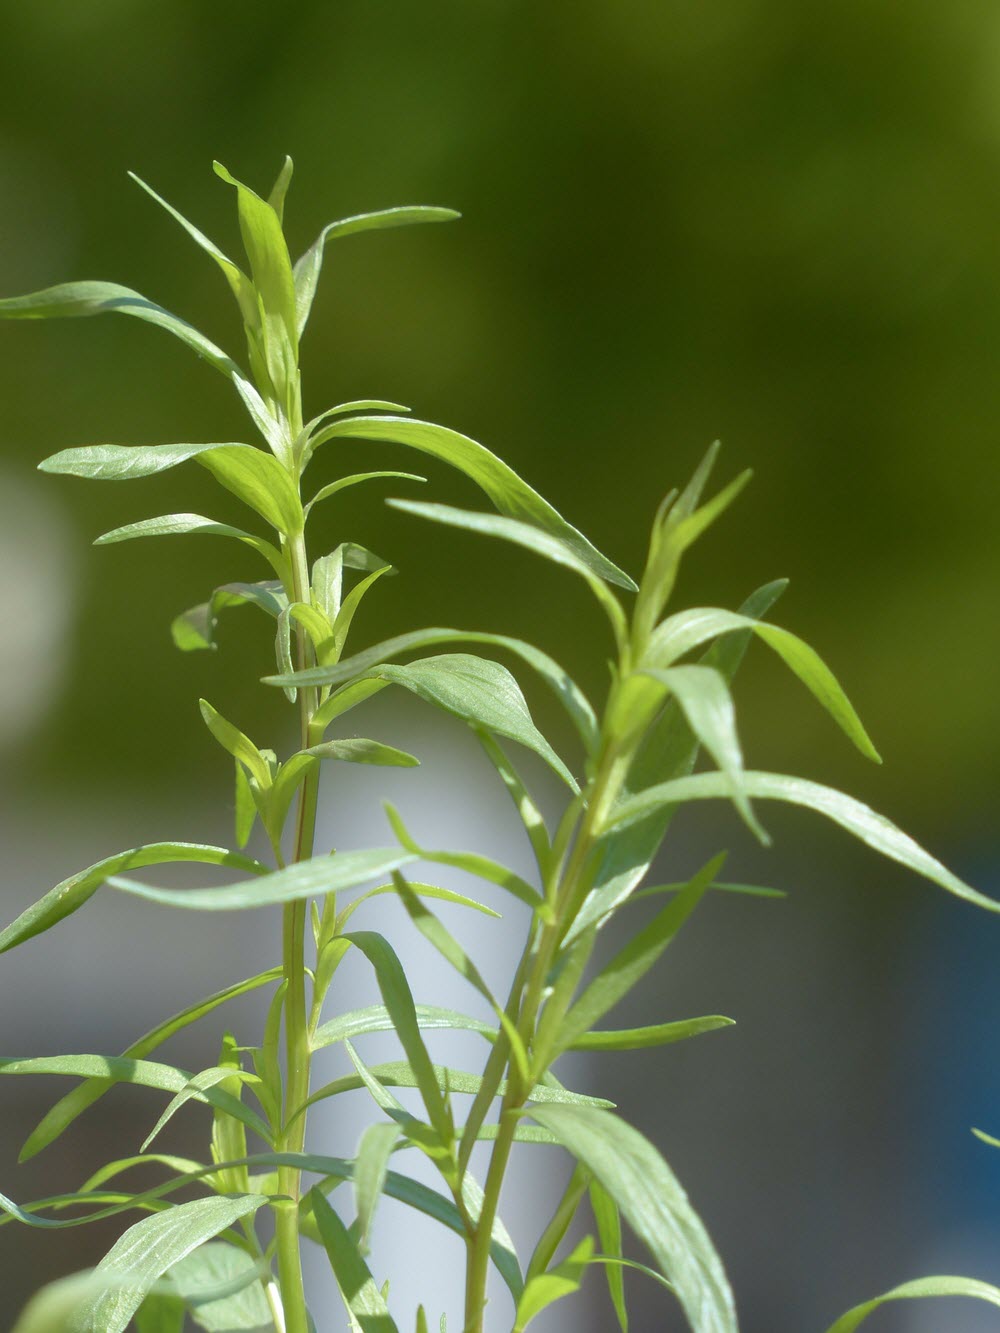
{"x": 609, "y": 1228}
{"x": 151, "y": 1247}
{"x": 924, "y": 1286}
{"x": 509, "y": 493}
{"x": 681, "y": 633}
{"x": 143, "y": 1073}
{"x": 660, "y": 1034}
{"x": 307, "y": 268}
{"x": 72, "y": 893}
{"x": 631, "y": 964}
{"x": 653, "y": 1203}
{"x": 173, "y": 525}
{"x": 566, "y": 690}
{"x": 66, "y": 1110}
{"x": 335, "y": 487}
{"x": 871, "y": 828}
{"x": 217, "y": 1265}
{"x": 541, "y": 1291}
{"x": 260, "y": 481}
{"x": 371, "y": 1164}
{"x": 305, "y": 879}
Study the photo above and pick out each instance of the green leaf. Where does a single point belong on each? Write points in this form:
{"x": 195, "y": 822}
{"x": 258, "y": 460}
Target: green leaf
{"x": 271, "y": 268}
{"x": 280, "y": 188}
{"x": 480, "y": 692}
{"x": 532, "y": 538}
{"x": 235, "y": 743}
{"x": 72, "y": 893}
{"x": 924, "y": 1286}
{"x": 239, "y": 283}
{"x": 609, "y": 1228}
{"x": 708, "y": 706}
{"x": 565, "y": 689}
{"x": 348, "y": 609}
{"x": 61, "y": 1116}
{"x": 530, "y": 815}
{"x": 425, "y": 890}
{"x": 122, "y": 462}
{"x": 198, "y": 1083}
{"x": 632, "y": 963}
{"x": 69, "y": 300}
{"x": 343, "y": 483}
{"x": 662, "y": 1034}
{"x": 328, "y": 574}
{"x": 371, "y": 1164}
{"x": 357, "y": 1286}
{"x": 143, "y": 1073}
{"x": 398, "y": 1000}
{"x": 260, "y": 481}
{"x": 376, "y": 1018}
{"x": 160, "y": 1313}
{"x": 512, "y": 496}
{"x": 871, "y": 828}
{"x": 437, "y": 934}
{"x": 195, "y": 629}
{"x": 151, "y": 1247}
{"x": 307, "y": 268}
{"x": 563, "y": 1280}
{"x": 359, "y": 750}
{"x": 483, "y": 867}
{"x": 318, "y": 876}
{"x": 51, "y": 1309}
{"x": 669, "y": 750}
{"x": 655, "y": 1206}
{"x": 245, "y": 808}
{"x": 173, "y": 525}
{"x": 218, "y": 1265}
{"x": 399, "y": 1074}
{"x": 679, "y": 634}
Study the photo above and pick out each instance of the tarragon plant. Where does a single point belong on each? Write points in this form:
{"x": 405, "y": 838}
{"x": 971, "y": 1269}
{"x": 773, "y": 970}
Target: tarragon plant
{"x": 212, "y": 1259}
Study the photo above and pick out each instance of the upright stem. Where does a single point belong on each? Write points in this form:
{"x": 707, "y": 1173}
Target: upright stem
{"x": 298, "y": 1049}
{"x": 564, "y": 894}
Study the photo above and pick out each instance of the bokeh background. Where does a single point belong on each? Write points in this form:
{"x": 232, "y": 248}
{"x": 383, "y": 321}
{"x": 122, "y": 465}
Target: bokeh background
{"x": 774, "y": 223}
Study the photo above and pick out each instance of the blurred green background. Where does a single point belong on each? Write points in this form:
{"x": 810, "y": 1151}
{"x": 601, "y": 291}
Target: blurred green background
{"x": 768, "y": 222}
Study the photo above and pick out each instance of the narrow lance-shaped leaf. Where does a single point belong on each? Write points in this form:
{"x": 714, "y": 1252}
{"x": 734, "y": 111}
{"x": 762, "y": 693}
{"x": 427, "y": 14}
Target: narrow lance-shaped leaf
{"x": 195, "y": 628}
{"x": 609, "y": 1228}
{"x": 532, "y": 538}
{"x": 66, "y": 1110}
{"x": 357, "y": 1286}
{"x": 307, "y": 268}
{"x": 72, "y": 893}
{"x": 632, "y": 963}
{"x": 669, "y": 750}
{"x": 398, "y": 1000}
{"x": 480, "y": 692}
{"x": 544, "y": 1289}
{"x": 123, "y": 462}
{"x": 708, "y": 706}
{"x": 681, "y": 633}
{"x": 142, "y": 1073}
{"x": 174, "y": 525}
{"x": 260, "y": 481}
{"x": 306, "y": 879}
{"x": 149, "y": 1248}
{"x": 371, "y": 1165}
{"x": 239, "y": 284}
{"x": 924, "y": 1286}
{"x": 871, "y": 828}
{"x": 655, "y": 1206}
{"x": 335, "y": 487}
{"x": 563, "y": 686}
{"x": 505, "y": 488}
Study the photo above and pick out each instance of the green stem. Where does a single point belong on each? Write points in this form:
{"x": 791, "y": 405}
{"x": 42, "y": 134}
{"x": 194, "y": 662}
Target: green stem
{"x": 564, "y": 894}
{"x": 298, "y": 1048}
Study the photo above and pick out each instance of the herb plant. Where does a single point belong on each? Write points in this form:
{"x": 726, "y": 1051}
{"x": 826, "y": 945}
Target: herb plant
{"x": 207, "y": 1259}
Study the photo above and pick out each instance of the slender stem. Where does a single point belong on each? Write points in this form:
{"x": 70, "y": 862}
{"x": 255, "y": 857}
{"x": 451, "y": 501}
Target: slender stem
{"x": 298, "y": 1048}
{"x": 564, "y": 894}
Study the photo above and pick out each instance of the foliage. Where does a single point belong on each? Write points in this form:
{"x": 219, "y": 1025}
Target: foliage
{"x": 669, "y": 702}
